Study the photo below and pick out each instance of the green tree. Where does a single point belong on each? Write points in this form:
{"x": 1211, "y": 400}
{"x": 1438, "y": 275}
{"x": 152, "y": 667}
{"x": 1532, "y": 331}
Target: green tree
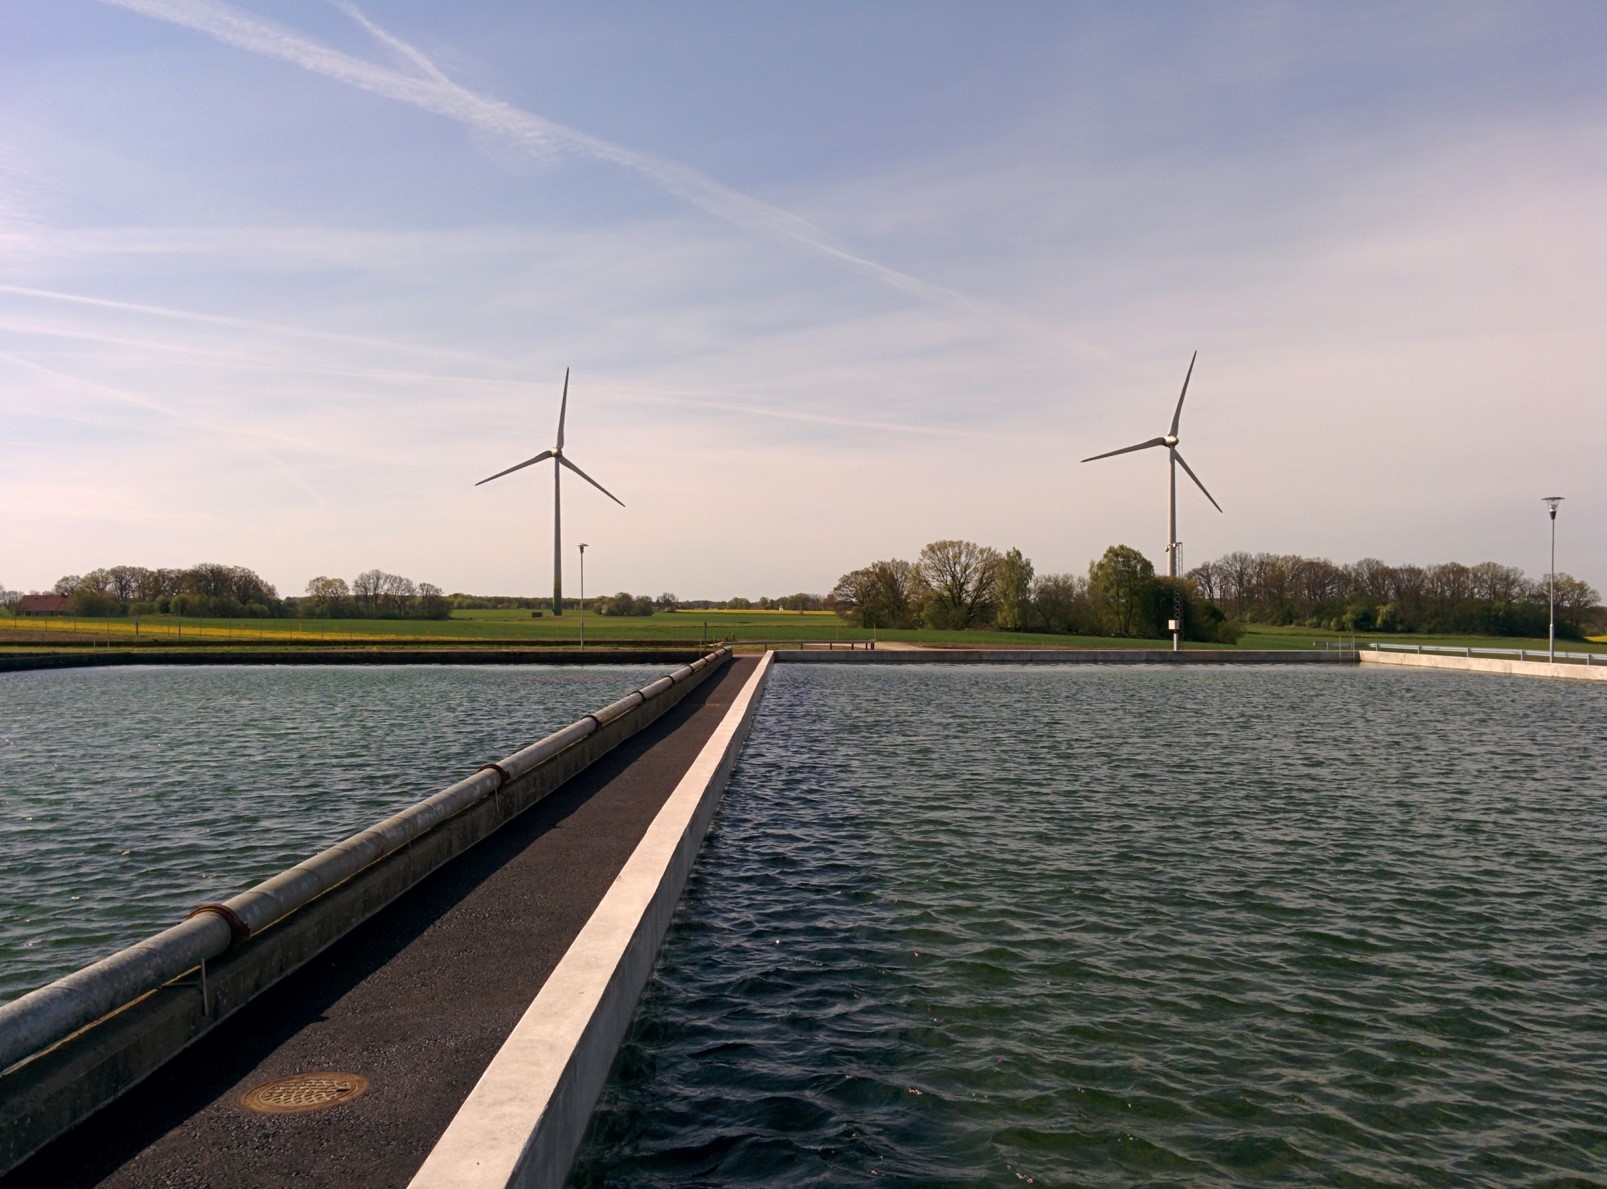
{"x": 1575, "y": 598}
{"x": 1203, "y": 620}
{"x": 884, "y": 594}
{"x": 1013, "y": 592}
{"x": 432, "y": 602}
{"x": 327, "y": 598}
{"x": 86, "y": 600}
{"x": 1121, "y": 586}
{"x": 1061, "y": 604}
{"x": 962, "y": 577}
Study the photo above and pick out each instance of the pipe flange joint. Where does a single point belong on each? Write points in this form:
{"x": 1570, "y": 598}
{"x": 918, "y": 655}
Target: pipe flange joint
{"x": 238, "y": 929}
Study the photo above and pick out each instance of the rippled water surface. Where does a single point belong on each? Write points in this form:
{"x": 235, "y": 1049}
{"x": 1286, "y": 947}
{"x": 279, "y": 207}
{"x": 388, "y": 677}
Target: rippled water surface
{"x": 1109, "y": 926}
{"x": 129, "y": 795}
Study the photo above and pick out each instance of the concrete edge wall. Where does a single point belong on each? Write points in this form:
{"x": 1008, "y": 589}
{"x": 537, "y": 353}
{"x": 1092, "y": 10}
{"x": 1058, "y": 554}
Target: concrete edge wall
{"x": 91, "y": 659}
{"x": 1479, "y": 664}
{"x": 1068, "y": 656}
{"x": 46, "y": 1096}
{"x": 523, "y": 1122}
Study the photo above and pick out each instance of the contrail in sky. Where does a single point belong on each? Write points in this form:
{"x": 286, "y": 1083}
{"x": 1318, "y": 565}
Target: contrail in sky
{"x": 234, "y": 323}
{"x": 221, "y": 429}
{"x": 116, "y": 394}
{"x": 535, "y": 135}
{"x": 677, "y": 400}
{"x": 233, "y": 359}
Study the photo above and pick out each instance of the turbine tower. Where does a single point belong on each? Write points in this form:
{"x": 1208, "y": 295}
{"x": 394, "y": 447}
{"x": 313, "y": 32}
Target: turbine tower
{"x": 559, "y": 463}
{"x": 1170, "y": 440}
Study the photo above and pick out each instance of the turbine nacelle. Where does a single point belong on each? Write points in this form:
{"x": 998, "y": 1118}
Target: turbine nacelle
{"x": 1170, "y": 440}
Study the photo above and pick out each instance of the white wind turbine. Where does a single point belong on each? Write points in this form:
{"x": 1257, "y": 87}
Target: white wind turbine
{"x": 560, "y": 462}
{"x": 1170, "y": 440}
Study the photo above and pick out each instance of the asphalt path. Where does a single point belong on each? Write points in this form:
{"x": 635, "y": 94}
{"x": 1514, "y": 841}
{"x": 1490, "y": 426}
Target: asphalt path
{"x": 417, "y": 1000}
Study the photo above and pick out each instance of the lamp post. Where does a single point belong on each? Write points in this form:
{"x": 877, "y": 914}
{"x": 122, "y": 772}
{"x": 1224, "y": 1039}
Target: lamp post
{"x": 1551, "y": 647}
{"x": 583, "y": 596}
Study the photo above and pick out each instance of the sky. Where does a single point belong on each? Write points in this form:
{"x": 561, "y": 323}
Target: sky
{"x": 279, "y": 282}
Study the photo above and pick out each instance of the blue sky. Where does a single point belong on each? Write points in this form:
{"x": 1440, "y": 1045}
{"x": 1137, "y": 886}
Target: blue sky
{"x": 279, "y": 282}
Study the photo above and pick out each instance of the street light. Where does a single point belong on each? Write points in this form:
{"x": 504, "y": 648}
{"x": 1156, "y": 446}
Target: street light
{"x": 1553, "y": 501}
{"x": 583, "y": 596}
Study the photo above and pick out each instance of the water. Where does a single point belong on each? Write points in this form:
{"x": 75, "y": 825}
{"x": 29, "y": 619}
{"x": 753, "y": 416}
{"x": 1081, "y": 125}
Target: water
{"x": 1105, "y": 926}
{"x": 130, "y": 795}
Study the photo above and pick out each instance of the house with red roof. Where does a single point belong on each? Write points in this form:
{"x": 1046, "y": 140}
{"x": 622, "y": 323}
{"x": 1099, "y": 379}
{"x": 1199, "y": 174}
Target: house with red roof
{"x": 50, "y": 604}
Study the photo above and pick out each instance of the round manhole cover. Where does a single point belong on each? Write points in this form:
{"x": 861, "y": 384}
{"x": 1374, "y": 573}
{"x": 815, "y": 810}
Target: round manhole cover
{"x": 304, "y": 1092}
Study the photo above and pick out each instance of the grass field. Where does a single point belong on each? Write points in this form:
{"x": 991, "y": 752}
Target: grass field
{"x": 519, "y": 628}
{"x": 1260, "y": 636}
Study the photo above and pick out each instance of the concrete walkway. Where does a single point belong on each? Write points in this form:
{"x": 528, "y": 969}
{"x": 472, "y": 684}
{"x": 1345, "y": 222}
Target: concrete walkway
{"x": 417, "y": 1001}
{"x": 1563, "y": 670}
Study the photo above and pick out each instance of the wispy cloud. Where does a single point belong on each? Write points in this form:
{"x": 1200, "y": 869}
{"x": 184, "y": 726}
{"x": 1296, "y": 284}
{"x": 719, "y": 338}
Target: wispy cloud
{"x": 683, "y": 400}
{"x": 222, "y": 320}
{"x": 253, "y": 439}
{"x": 103, "y": 391}
{"x": 532, "y": 134}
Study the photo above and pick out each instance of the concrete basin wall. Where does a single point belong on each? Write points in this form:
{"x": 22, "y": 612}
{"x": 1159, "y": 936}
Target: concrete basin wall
{"x": 523, "y": 1122}
{"x": 1065, "y": 656}
{"x": 45, "y": 1094}
{"x": 1564, "y": 671}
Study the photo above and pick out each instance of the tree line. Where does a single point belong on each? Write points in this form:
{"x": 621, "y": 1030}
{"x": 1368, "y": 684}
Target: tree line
{"x": 213, "y": 590}
{"x": 956, "y": 584}
{"x": 625, "y": 603}
{"x": 1372, "y": 596}
{"x": 206, "y": 589}
{"x": 217, "y": 591}
{"x": 373, "y": 594}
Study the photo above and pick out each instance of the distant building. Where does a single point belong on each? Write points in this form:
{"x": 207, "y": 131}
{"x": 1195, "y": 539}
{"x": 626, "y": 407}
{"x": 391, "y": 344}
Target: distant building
{"x": 51, "y": 604}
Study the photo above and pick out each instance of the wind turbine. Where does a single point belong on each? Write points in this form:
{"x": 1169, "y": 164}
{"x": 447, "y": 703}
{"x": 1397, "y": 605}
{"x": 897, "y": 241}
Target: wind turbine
{"x": 1170, "y": 440}
{"x": 560, "y": 462}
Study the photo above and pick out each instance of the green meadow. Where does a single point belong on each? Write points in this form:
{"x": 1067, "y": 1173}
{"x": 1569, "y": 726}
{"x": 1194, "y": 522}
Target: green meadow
{"x": 666, "y": 629}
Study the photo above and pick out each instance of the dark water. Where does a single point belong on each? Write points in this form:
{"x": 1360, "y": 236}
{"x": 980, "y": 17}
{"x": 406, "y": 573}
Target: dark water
{"x": 130, "y": 795}
{"x": 1109, "y": 926}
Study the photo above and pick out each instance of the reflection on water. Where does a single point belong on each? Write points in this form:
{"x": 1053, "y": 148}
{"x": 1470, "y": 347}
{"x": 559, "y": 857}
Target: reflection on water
{"x": 1108, "y": 925}
{"x": 129, "y": 795}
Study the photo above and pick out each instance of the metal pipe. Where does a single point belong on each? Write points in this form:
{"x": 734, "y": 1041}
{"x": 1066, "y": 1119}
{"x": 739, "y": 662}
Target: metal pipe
{"x": 52, "y": 1013}
{"x": 55, "y": 1011}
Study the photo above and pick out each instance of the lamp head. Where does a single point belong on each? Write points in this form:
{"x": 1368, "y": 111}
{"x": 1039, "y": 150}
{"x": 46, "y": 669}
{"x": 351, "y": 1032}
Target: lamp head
{"x": 583, "y": 547}
{"x": 1553, "y": 501}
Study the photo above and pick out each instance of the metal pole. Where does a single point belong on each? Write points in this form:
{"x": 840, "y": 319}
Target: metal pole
{"x": 583, "y": 596}
{"x": 1171, "y": 522}
{"x": 557, "y": 546}
{"x": 1551, "y": 647}
{"x": 1171, "y": 550}
{"x": 1177, "y": 597}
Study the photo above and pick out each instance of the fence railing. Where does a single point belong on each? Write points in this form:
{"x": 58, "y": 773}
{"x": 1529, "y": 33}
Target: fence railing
{"x": 1467, "y": 650}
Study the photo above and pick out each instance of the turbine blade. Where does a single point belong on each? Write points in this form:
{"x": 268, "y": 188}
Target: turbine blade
{"x": 1129, "y": 449}
{"x": 1177, "y": 414}
{"x": 590, "y": 480}
{"x": 520, "y": 467}
{"x": 1196, "y": 479}
{"x": 562, "y": 409}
